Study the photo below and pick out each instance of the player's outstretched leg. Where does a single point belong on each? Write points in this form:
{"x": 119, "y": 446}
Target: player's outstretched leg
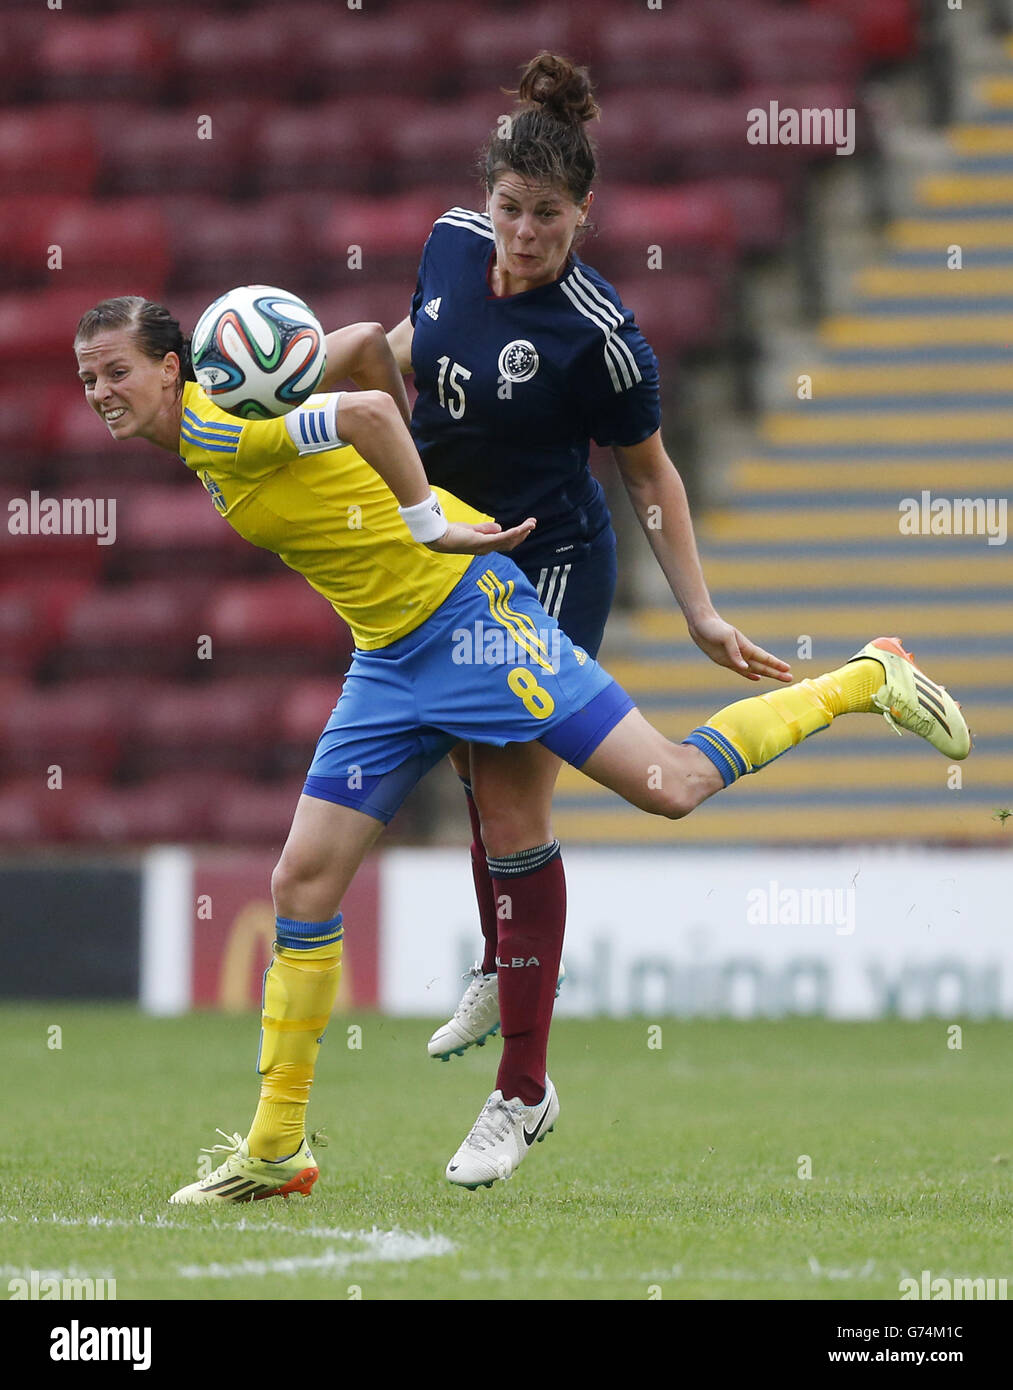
{"x": 672, "y": 779}
{"x": 325, "y": 847}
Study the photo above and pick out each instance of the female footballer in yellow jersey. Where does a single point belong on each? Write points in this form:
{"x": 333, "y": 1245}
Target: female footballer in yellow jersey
{"x": 337, "y": 490}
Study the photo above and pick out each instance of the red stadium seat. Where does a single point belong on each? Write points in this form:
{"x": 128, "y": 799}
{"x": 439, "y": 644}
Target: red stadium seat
{"x": 230, "y": 56}
{"x": 77, "y": 726}
{"x": 390, "y": 233}
{"x": 102, "y": 58}
{"x": 278, "y": 623}
{"x": 256, "y": 813}
{"x": 345, "y": 52}
{"x": 672, "y": 45}
{"x": 679, "y": 313}
{"x": 761, "y": 217}
{"x": 227, "y": 725}
{"x": 443, "y": 141}
{"x": 161, "y": 528}
{"x": 341, "y": 145}
{"x": 126, "y": 237}
{"x": 491, "y": 50}
{"x": 39, "y": 327}
{"x": 52, "y": 150}
{"x": 168, "y": 152}
{"x": 150, "y": 628}
{"x": 793, "y": 45}
{"x": 32, "y": 620}
{"x": 31, "y": 813}
{"x": 263, "y": 242}
{"x": 887, "y": 30}
{"x": 177, "y": 808}
{"x": 304, "y": 711}
{"x": 691, "y": 225}
{"x": 44, "y": 541}
{"x": 382, "y": 302}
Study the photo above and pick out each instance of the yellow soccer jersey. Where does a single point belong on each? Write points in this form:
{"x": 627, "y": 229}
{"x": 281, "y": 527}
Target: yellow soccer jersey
{"x": 291, "y": 486}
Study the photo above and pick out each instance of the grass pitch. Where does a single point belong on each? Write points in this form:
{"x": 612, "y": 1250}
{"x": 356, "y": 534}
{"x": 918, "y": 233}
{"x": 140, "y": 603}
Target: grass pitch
{"x": 675, "y": 1172}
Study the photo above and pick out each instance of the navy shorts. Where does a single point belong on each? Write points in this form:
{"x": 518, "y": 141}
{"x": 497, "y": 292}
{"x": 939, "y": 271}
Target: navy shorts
{"x": 578, "y": 591}
{"x": 489, "y": 666}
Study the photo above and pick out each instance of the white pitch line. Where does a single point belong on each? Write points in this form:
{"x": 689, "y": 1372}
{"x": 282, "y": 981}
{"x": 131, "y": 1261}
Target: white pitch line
{"x": 380, "y": 1246}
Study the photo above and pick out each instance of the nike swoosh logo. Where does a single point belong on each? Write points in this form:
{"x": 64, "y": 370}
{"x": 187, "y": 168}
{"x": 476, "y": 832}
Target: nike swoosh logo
{"x": 529, "y": 1139}
{"x": 453, "y": 1167}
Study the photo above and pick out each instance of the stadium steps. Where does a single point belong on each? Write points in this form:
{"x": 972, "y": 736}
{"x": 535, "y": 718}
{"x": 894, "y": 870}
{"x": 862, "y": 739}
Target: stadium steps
{"x": 911, "y": 388}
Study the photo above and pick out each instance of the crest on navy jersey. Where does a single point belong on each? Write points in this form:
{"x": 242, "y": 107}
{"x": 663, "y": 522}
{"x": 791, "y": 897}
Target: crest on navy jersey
{"x": 518, "y": 361}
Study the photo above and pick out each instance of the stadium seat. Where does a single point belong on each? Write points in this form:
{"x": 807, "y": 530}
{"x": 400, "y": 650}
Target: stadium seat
{"x": 795, "y": 45}
{"x": 691, "y": 224}
{"x": 124, "y": 236}
{"x": 102, "y": 58}
{"x": 161, "y": 528}
{"x": 390, "y": 232}
{"x": 151, "y": 628}
{"x": 673, "y": 45}
{"x": 886, "y": 30}
{"x": 257, "y": 45}
{"x": 227, "y": 725}
{"x": 167, "y": 152}
{"x": 679, "y": 312}
{"x": 256, "y": 813}
{"x": 38, "y": 328}
{"x": 52, "y": 150}
{"x": 31, "y": 814}
{"x": 76, "y": 726}
{"x": 220, "y": 243}
{"x": 275, "y": 623}
{"x": 39, "y": 556}
{"x": 386, "y": 303}
{"x": 345, "y": 52}
{"x": 32, "y": 619}
{"x": 176, "y": 808}
{"x": 341, "y": 145}
{"x": 304, "y": 711}
{"x": 492, "y": 49}
{"x": 443, "y": 141}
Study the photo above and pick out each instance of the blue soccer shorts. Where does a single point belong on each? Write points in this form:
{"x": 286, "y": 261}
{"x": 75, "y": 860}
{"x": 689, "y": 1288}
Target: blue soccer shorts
{"x": 489, "y": 666}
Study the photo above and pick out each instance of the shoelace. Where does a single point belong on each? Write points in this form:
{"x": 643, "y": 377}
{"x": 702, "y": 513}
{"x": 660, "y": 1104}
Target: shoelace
{"x": 916, "y": 722}
{"x": 492, "y": 1124}
{"x": 234, "y": 1144}
{"x": 471, "y": 994}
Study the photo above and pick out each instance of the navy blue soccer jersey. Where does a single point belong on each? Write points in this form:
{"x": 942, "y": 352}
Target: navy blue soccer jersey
{"x": 513, "y": 389}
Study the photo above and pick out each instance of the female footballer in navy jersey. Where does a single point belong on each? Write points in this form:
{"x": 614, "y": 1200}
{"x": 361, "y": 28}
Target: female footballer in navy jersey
{"x": 522, "y": 355}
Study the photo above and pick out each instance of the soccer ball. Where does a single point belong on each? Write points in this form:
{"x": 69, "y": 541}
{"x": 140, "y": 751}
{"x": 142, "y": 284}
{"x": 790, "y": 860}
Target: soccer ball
{"x": 258, "y": 352}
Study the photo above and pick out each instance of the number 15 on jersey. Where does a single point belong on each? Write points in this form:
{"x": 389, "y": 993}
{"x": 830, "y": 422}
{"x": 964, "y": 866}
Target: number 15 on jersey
{"x": 450, "y": 388}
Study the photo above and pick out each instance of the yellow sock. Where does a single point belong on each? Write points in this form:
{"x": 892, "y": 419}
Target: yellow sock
{"x": 747, "y": 735}
{"x": 299, "y": 992}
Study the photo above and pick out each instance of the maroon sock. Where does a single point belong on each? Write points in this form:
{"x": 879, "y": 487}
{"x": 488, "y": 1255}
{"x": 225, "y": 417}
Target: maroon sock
{"x": 484, "y": 893}
{"x": 530, "y": 893}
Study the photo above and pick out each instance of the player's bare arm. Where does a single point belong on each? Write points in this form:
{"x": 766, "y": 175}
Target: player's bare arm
{"x": 359, "y": 353}
{"x": 371, "y": 423}
{"x": 400, "y": 341}
{"x": 658, "y": 494}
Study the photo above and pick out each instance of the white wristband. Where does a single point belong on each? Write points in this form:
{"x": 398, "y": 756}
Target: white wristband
{"x": 425, "y": 520}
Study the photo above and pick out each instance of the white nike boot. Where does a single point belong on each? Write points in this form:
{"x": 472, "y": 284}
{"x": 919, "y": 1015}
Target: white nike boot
{"x": 501, "y": 1138}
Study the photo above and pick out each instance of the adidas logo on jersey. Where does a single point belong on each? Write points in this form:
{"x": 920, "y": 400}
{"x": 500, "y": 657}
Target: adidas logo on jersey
{"x": 433, "y": 308}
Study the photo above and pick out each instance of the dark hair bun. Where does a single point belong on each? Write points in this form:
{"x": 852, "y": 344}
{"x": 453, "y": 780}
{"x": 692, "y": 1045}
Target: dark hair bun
{"x": 558, "y": 86}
